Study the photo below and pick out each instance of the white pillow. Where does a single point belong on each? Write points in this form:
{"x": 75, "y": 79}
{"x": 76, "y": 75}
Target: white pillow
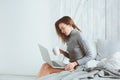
{"x": 92, "y": 45}
{"x": 106, "y": 48}
{"x": 112, "y": 62}
{"x": 92, "y": 64}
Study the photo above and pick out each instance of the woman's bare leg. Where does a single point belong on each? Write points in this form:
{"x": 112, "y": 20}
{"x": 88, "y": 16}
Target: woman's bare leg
{"x": 47, "y": 69}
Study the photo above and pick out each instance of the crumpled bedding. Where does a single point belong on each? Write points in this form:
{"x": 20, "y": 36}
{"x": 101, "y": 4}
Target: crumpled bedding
{"x": 96, "y": 72}
{"x": 82, "y": 73}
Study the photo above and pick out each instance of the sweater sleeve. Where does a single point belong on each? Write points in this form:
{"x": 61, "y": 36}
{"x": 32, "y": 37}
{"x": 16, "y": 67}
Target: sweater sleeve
{"x": 66, "y": 54}
{"x": 85, "y": 48}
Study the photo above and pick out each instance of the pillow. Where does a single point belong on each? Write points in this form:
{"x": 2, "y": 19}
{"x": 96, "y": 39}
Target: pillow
{"x": 91, "y": 64}
{"x": 92, "y": 45}
{"x": 106, "y": 48}
{"x": 112, "y": 62}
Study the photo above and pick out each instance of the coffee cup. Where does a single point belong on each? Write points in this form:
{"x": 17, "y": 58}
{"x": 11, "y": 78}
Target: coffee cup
{"x": 56, "y": 51}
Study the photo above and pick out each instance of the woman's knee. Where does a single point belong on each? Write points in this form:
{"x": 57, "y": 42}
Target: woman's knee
{"x": 46, "y": 66}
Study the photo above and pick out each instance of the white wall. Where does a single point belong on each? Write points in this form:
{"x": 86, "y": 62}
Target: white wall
{"x": 96, "y": 18}
{"x": 23, "y": 24}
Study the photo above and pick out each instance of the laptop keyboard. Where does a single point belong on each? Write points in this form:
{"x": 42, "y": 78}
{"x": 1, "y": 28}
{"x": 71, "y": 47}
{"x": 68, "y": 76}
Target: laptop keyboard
{"x": 56, "y": 64}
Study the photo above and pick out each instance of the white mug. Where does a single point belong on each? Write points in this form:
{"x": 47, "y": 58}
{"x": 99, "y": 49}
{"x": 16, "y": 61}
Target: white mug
{"x": 56, "y": 51}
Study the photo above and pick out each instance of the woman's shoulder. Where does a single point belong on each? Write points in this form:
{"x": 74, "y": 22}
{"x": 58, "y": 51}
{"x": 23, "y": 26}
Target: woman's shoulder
{"x": 76, "y": 34}
{"x": 80, "y": 35}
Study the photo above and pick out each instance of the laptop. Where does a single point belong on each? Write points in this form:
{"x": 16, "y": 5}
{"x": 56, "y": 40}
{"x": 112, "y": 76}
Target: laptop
{"x": 46, "y": 57}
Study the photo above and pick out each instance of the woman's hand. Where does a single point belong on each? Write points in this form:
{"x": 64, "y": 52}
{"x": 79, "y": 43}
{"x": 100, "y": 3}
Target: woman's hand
{"x": 71, "y": 66}
{"x": 61, "y": 51}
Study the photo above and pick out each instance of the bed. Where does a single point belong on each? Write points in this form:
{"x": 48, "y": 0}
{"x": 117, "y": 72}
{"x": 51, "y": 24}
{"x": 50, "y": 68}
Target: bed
{"x": 104, "y": 49}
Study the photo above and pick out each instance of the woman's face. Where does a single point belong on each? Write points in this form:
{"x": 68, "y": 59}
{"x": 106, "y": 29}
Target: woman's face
{"x": 65, "y": 29}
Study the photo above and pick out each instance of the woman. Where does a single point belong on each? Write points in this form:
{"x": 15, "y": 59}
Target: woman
{"x": 78, "y": 50}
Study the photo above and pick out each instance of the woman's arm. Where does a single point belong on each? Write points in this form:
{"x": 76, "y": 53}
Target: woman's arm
{"x": 86, "y": 50}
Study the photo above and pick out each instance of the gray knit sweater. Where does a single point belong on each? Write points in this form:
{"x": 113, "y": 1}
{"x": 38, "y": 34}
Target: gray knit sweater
{"x": 77, "y": 48}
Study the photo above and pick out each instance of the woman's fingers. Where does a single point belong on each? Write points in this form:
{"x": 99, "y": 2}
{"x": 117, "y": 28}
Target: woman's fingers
{"x": 61, "y": 51}
{"x": 69, "y": 67}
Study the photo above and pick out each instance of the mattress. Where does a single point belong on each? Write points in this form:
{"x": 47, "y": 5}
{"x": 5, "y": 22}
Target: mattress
{"x": 16, "y": 77}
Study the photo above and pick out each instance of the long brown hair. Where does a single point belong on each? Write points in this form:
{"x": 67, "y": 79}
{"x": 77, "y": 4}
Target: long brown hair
{"x": 68, "y": 21}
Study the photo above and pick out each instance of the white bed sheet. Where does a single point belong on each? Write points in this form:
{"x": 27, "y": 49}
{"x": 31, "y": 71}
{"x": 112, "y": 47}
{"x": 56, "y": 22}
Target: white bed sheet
{"x": 16, "y": 77}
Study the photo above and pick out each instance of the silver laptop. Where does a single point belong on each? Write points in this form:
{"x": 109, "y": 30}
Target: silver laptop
{"x": 46, "y": 57}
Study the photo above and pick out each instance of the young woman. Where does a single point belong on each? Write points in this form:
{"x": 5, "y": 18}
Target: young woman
{"x": 78, "y": 50}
